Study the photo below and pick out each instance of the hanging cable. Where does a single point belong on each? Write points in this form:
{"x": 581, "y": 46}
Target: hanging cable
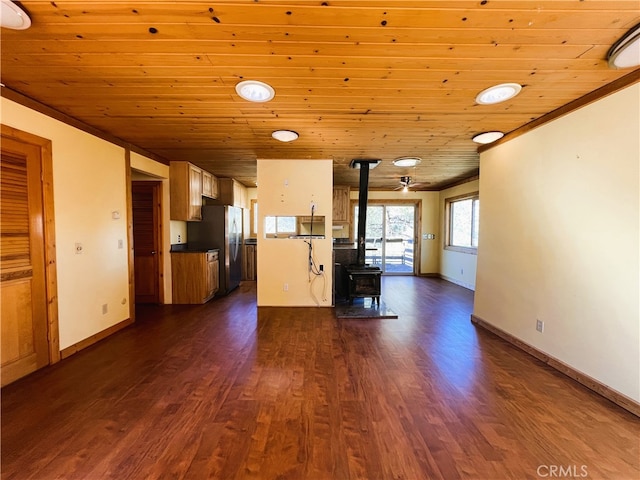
{"x": 324, "y": 288}
{"x": 313, "y": 268}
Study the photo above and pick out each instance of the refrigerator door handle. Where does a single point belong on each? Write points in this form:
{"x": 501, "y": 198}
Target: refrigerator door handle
{"x": 236, "y": 239}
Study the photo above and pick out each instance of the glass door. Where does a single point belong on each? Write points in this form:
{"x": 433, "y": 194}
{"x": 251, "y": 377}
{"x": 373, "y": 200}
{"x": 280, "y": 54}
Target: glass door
{"x": 398, "y": 239}
{"x": 390, "y": 237}
{"x": 375, "y": 228}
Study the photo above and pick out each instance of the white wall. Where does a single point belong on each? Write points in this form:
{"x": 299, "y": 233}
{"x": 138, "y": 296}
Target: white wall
{"x": 89, "y": 183}
{"x": 559, "y": 239}
{"x": 178, "y": 231}
{"x": 457, "y": 267}
{"x": 287, "y": 187}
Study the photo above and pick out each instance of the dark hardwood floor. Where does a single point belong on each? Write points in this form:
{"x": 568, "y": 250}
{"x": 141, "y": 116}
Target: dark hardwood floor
{"x": 224, "y": 391}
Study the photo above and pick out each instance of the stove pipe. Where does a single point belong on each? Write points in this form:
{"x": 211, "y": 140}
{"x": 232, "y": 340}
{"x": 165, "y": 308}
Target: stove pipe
{"x": 364, "y": 164}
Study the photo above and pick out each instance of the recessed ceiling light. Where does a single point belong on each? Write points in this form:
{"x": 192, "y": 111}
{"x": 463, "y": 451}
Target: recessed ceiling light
{"x": 487, "y": 137}
{"x": 498, "y": 93}
{"x": 407, "y": 161}
{"x": 285, "y": 135}
{"x": 255, "y": 91}
{"x": 12, "y": 16}
{"x": 625, "y": 53}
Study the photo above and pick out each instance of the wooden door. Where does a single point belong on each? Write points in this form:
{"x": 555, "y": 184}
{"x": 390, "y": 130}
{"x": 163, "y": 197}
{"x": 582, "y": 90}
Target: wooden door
{"x": 145, "y": 201}
{"x": 24, "y": 325}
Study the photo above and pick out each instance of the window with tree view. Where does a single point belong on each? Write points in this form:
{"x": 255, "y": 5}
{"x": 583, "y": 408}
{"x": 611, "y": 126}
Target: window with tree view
{"x": 462, "y": 217}
{"x": 274, "y": 226}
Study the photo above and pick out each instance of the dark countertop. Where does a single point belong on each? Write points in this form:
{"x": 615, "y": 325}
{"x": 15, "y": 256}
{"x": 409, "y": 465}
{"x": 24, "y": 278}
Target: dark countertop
{"x": 184, "y": 248}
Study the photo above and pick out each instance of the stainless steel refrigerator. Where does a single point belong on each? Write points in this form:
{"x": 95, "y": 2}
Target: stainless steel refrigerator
{"x": 221, "y": 228}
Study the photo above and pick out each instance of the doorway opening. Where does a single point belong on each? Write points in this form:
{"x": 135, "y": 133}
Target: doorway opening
{"x": 391, "y": 237}
{"x": 147, "y": 245}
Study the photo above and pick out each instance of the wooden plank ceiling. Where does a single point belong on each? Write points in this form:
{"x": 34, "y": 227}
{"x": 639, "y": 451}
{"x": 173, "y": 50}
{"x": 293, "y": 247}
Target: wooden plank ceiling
{"x": 355, "y": 78}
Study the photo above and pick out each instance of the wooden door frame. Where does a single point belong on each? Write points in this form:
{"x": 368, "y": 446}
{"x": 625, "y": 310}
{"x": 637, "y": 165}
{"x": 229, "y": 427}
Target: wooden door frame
{"x": 49, "y": 237}
{"x": 160, "y": 237}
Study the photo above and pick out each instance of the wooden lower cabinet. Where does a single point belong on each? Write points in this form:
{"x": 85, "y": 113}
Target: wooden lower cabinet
{"x": 249, "y": 263}
{"x": 213, "y": 273}
{"x": 194, "y": 276}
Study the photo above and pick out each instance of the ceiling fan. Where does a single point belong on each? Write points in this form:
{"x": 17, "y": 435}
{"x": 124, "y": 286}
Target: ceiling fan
{"x": 406, "y": 183}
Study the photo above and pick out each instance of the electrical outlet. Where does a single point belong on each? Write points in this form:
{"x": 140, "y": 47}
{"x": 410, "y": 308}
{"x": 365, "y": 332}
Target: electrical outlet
{"x": 322, "y": 268}
{"x": 179, "y": 238}
{"x": 105, "y": 308}
{"x": 539, "y": 325}
{"x": 285, "y": 287}
{"x": 79, "y": 248}
{"x": 120, "y": 243}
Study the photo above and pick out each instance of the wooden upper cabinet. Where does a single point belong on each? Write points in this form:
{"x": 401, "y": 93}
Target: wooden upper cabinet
{"x": 209, "y": 185}
{"x": 215, "y": 189}
{"x": 231, "y": 192}
{"x": 341, "y": 204}
{"x": 186, "y": 191}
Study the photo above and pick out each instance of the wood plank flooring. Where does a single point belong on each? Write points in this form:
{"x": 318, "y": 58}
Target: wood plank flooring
{"x": 228, "y": 392}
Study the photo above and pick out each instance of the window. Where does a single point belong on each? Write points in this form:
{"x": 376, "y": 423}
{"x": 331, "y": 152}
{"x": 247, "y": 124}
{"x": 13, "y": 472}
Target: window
{"x": 462, "y": 214}
{"x": 275, "y": 226}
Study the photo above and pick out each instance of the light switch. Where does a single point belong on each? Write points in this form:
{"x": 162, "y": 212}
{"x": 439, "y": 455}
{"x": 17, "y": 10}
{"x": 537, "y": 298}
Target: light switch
{"x": 115, "y": 215}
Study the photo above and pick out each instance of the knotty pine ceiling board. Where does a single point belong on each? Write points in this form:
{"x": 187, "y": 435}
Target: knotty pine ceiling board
{"x": 355, "y": 78}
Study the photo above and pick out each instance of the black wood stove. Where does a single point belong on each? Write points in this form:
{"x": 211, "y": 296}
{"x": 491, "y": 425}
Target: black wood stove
{"x": 363, "y": 279}
{"x": 364, "y": 282}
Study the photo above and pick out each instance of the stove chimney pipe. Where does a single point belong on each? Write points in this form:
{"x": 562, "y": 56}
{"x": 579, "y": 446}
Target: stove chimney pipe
{"x": 364, "y": 164}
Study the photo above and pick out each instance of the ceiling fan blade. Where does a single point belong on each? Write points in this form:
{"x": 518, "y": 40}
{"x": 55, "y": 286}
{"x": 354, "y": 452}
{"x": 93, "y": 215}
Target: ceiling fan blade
{"x": 419, "y": 184}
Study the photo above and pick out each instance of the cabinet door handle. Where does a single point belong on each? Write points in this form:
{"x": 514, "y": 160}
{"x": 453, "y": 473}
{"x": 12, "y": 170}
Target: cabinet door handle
{"x": 153, "y": 252}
